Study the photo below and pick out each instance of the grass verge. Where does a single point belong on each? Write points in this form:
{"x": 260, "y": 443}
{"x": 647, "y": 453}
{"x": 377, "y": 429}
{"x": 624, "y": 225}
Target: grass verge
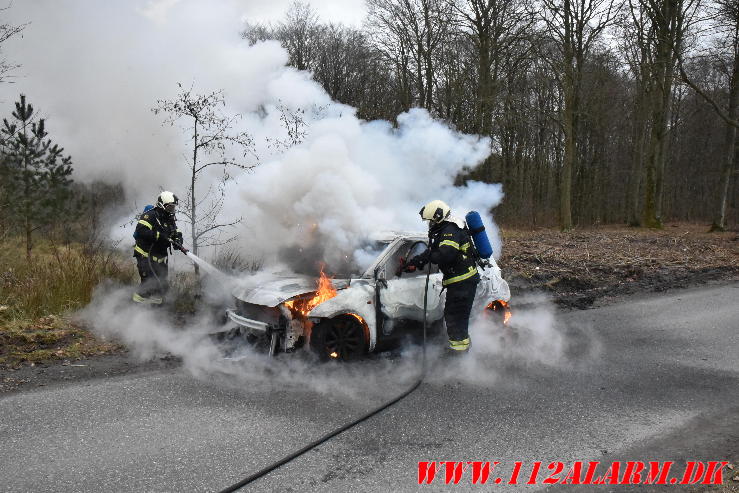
{"x": 48, "y": 338}
{"x": 36, "y": 296}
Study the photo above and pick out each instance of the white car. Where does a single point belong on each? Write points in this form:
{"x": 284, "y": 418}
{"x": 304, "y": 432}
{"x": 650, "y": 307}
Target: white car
{"x": 347, "y": 318}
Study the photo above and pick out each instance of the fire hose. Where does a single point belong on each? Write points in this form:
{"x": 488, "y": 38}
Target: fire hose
{"x": 328, "y": 436}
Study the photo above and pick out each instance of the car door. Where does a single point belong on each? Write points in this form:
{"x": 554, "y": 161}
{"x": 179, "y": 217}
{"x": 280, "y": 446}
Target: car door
{"x": 403, "y": 298}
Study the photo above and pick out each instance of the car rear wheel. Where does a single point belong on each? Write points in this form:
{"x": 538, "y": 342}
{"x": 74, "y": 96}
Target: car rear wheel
{"x": 341, "y": 338}
{"x": 500, "y": 311}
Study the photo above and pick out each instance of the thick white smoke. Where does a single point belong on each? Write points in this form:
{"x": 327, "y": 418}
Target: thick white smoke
{"x": 97, "y": 68}
{"x": 533, "y": 343}
{"x": 351, "y": 178}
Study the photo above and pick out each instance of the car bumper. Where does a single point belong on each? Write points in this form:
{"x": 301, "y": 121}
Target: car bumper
{"x": 254, "y": 325}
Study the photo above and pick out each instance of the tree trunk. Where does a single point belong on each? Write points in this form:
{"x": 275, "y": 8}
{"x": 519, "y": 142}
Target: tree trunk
{"x": 649, "y": 216}
{"x": 565, "y": 190}
{"x": 27, "y": 198}
{"x": 719, "y": 221}
{"x": 568, "y": 124}
{"x": 483, "y": 88}
{"x": 660, "y": 101}
{"x": 662, "y": 162}
{"x": 637, "y": 157}
{"x": 429, "y": 73}
{"x": 28, "y": 230}
{"x": 192, "y": 195}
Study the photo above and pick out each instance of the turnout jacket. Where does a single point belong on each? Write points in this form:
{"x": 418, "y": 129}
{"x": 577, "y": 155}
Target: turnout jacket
{"x": 153, "y": 232}
{"x": 452, "y": 250}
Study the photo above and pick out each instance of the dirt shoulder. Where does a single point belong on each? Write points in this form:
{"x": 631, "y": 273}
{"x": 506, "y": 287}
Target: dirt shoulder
{"x": 596, "y": 266}
{"x": 29, "y": 376}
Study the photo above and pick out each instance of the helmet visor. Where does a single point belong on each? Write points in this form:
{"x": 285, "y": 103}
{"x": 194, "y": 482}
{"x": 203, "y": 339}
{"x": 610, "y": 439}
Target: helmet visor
{"x": 171, "y": 207}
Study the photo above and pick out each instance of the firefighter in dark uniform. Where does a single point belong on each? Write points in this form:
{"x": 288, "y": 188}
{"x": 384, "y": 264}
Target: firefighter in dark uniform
{"x": 156, "y": 232}
{"x": 451, "y": 248}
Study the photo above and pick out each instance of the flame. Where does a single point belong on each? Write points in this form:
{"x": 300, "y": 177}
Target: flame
{"x": 301, "y": 307}
{"x": 506, "y": 309}
{"x": 334, "y": 354}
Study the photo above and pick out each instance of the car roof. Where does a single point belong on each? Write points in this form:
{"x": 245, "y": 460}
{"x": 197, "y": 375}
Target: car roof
{"x": 388, "y": 236}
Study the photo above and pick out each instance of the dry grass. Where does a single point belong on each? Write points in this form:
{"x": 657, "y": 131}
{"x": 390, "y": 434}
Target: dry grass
{"x": 35, "y": 296}
{"x": 57, "y": 279}
{"x": 47, "y": 338}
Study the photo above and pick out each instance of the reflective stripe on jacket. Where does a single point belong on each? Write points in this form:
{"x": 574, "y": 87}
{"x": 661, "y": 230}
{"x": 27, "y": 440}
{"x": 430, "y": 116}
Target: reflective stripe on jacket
{"x": 152, "y": 231}
{"x": 451, "y": 249}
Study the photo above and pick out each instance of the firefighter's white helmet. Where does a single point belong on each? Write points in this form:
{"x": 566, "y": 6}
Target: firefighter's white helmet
{"x": 167, "y": 201}
{"x": 435, "y": 211}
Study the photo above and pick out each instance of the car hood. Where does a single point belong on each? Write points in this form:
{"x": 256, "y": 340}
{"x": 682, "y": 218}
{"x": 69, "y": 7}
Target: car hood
{"x": 274, "y": 291}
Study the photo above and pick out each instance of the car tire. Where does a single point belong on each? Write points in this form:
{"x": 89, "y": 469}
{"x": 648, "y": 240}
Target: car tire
{"x": 342, "y": 338}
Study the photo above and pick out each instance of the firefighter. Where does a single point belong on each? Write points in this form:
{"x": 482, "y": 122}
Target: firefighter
{"x": 451, "y": 248}
{"x": 156, "y": 233}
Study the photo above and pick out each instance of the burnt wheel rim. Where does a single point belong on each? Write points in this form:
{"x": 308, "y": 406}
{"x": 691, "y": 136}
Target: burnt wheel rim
{"x": 345, "y": 338}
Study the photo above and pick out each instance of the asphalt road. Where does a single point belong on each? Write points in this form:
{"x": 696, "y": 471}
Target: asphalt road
{"x": 651, "y": 378}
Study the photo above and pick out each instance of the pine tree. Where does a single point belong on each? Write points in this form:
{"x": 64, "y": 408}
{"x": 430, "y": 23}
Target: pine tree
{"x": 35, "y": 173}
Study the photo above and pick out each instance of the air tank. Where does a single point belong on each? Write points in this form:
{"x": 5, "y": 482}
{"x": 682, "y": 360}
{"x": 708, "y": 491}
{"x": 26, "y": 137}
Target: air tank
{"x": 479, "y": 236}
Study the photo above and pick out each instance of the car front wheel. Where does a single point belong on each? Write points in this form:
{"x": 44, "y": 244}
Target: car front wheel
{"x": 341, "y": 338}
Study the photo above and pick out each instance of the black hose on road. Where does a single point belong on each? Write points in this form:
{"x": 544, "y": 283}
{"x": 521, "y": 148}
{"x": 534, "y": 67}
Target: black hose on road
{"x": 351, "y": 424}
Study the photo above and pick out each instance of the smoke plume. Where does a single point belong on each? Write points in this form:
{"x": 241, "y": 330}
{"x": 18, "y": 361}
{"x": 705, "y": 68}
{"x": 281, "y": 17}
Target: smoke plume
{"x": 96, "y": 69}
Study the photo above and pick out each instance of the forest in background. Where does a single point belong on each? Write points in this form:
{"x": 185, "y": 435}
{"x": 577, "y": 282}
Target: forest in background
{"x": 599, "y": 111}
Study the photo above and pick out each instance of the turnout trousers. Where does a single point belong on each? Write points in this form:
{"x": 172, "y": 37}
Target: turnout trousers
{"x": 459, "y": 299}
{"x": 154, "y": 277}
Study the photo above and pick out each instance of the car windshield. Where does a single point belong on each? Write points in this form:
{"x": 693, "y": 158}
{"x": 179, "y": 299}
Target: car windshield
{"x": 366, "y": 255}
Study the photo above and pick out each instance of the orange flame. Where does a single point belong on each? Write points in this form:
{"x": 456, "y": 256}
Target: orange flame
{"x": 303, "y": 306}
{"x": 502, "y": 305}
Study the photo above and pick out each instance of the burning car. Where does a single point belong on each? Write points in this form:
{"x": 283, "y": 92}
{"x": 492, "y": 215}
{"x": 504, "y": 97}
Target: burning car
{"x": 347, "y": 318}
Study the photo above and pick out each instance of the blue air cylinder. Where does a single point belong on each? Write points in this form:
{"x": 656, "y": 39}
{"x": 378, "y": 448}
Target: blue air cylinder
{"x": 479, "y": 237}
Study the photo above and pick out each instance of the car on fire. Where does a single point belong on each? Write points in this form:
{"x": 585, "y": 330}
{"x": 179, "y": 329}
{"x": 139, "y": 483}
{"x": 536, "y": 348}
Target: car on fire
{"x": 347, "y": 318}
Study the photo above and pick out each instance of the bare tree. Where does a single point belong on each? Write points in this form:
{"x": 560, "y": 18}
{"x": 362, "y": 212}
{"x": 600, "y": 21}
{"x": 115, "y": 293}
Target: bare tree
{"x": 7, "y": 31}
{"x": 300, "y": 34}
{"x": 496, "y": 29}
{"x": 215, "y": 144}
{"x": 409, "y": 33}
{"x": 574, "y": 26}
{"x": 668, "y": 24}
{"x": 725, "y": 25}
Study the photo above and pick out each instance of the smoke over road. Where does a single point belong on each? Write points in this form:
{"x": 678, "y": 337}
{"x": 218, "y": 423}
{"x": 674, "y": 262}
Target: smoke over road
{"x": 535, "y": 343}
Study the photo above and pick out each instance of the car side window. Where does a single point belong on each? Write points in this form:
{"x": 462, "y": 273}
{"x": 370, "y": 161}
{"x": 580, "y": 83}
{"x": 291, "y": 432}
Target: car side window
{"x": 416, "y": 248}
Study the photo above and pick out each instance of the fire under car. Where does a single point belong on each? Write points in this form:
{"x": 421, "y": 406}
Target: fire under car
{"x": 347, "y": 318}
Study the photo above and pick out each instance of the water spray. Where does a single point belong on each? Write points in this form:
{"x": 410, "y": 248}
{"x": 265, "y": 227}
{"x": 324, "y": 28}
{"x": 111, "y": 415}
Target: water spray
{"x": 209, "y": 268}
